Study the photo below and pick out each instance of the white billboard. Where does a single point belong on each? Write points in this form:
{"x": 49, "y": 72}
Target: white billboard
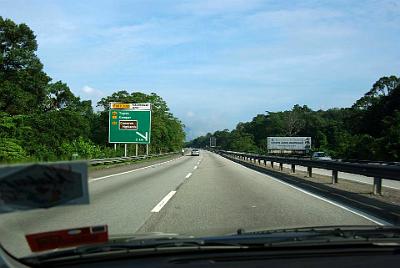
{"x": 289, "y": 143}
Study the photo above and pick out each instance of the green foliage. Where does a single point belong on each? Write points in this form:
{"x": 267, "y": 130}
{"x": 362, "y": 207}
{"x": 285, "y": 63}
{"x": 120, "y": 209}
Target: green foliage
{"x": 11, "y": 151}
{"x": 80, "y": 148}
{"x": 167, "y": 131}
{"x": 45, "y": 121}
{"x": 370, "y": 129}
{"x": 22, "y": 80}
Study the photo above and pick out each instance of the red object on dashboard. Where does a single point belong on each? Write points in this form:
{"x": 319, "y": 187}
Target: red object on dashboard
{"x": 67, "y": 238}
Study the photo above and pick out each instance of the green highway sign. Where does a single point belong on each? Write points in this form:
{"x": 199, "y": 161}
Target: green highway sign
{"x": 129, "y": 123}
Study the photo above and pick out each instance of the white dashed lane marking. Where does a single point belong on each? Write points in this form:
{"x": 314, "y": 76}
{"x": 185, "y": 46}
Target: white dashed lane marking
{"x": 163, "y": 202}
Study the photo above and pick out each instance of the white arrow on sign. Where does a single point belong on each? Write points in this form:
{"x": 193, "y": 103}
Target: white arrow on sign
{"x": 143, "y": 136}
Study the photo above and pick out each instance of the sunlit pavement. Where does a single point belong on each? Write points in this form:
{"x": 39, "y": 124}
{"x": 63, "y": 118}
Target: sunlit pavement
{"x": 199, "y": 195}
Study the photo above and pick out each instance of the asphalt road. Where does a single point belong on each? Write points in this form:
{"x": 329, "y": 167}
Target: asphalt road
{"x": 203, "y": 195}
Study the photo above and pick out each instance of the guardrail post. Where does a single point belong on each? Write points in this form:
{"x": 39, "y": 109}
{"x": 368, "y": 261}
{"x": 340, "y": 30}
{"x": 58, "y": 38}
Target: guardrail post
{"x": 377, "y": 186}
{"x": 259, "y": 161}
{"x": 281, "y": 166}
{"x": 265, "y": 162}
{"x": 309, "y": 171}
{"x": 293, "y": 168}
{"x": 272, "y": 164}
{"x": 334, "y": 176}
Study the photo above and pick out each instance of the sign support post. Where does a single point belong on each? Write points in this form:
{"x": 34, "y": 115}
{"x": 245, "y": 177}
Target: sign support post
{"x": 147, "y": 149}
{"x": 126, "y": 149}
{"x": 137, "y": 149}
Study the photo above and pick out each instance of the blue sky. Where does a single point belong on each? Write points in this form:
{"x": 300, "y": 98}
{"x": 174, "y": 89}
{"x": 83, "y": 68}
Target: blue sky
{"x": 217, "y": 62}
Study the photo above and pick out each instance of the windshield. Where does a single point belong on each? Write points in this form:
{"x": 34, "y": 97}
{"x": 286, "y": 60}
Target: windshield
{"x": 100, "y": 137}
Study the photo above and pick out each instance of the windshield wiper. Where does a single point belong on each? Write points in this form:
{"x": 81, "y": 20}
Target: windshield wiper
{"x": 344, "y": 235}
{"x": 156, "y": 245}
{"x": 325, "y": 233}
{"x": 151, "y": 245}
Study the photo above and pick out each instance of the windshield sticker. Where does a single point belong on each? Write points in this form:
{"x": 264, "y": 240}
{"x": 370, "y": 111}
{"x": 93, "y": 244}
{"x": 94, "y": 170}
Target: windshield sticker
{"x": 67, "y": 238}
{"x": 26, "y": 187}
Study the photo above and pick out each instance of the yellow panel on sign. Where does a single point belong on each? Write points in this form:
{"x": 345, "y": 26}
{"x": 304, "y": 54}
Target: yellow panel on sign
{"x": 120, "y": 106}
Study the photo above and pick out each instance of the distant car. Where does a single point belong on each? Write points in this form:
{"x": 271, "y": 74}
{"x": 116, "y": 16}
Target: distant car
{"x": 320, "y": 156}
{"x": 195, "y": 152}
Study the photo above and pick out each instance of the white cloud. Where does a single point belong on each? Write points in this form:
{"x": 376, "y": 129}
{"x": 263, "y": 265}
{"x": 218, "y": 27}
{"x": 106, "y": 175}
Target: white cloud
{"x": 212, "y": 7}
{"x": 288, "y": 18}
{"x": 231, "y": 58}
{"x": 90, "y": 91}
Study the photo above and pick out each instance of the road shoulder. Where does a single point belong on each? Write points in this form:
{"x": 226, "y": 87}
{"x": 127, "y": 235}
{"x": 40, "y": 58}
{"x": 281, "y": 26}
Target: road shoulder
{"x": 114, "y": 169}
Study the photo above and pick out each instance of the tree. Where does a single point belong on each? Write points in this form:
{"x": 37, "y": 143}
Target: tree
{"x": 22, "y": 80}
{"x": 59, "y": 96}
{"x": 167, "y": 131}
{"x": 381, "y": 88}
{"x": 45, "y": 121}
{"x": 370, "y": 129}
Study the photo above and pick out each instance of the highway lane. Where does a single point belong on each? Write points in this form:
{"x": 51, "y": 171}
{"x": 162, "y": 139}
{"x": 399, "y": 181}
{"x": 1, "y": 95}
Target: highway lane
{"x": 123, "y": 202}
{"x": 223, "y": 196}
{"x": 190, "y": 195}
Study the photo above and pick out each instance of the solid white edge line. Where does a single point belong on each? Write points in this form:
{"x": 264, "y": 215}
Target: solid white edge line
{"x": 188, "y": 175}
{"x": 350, "y": 209}
{"x": 164, "y": 201}
{"x": 133, "y": 170}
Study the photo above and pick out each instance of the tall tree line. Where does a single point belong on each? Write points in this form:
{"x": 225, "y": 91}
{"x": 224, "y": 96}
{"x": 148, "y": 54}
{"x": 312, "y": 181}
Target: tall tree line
{"x": 370, "y": 129}
{"x": 43, "y": 120}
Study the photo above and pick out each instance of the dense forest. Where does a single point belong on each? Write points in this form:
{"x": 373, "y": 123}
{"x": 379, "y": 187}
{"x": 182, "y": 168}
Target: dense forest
{"x": 42, "y": 120}
{"x": 370, "y": 129}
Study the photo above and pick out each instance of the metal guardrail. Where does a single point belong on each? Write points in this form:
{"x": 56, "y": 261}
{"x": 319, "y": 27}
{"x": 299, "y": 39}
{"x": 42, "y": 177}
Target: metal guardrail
{"x": 376, "y": 171}
{"x": 115, "y": 160}
{"x": 371, "y": 162}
